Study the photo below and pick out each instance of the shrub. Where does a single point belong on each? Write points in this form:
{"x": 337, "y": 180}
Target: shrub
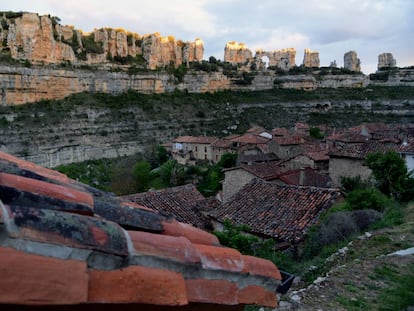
{"x": 315, "y": 132}
{"x": 368, "y": 198}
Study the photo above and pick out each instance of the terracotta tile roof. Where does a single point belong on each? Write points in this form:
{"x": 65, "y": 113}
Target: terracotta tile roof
{"x": 361, "y": 151}
{"x": 266, "y": 171}
{"x": 65, "y": 244}
{"x": 348, "y": 137}
{"x": 249, "y": 138}
{"x": 310, "y": 177}
{"x": 289, "y": 140}
{"x": 195, "y": 139}
{"x": 182, "y": 202}
{"x": 222, "y": 143}
{"x": 282, "y": 212}
{"x": 318, "y": 155}
{"x": 281, "y": 131}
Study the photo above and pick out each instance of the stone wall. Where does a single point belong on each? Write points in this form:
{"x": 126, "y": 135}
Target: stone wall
{"x": 339, "y": 167}
{"x": 235, "y": 180}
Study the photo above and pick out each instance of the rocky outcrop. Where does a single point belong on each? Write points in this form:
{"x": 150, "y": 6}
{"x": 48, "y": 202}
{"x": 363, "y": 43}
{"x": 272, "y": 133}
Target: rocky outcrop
{"x": 311, "y": 58}
{"x": 237, "y": 53}
{"x": 42, "y": 40}
{"x": 31, "y": 37}
{"x": 351, "y": 61}
{"x": 386, "y": 60}
{"x": 160, "y": 51}
{"x": 283, "y": 59}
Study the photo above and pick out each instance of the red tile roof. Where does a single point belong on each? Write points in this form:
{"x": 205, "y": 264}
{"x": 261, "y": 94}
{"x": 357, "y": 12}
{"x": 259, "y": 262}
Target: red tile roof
{"x": 266, "y": 171}
{"x": 289, "y": 140}
{"x": 249, "y": 138}
{"x": 361, "y": 151}
{"x": 282, "y": 212}
{"x": 195, "y": 139}
{"x": 310, "y": 177}
{"x": 65, "y": 243}
{"x": 182, "y": 202}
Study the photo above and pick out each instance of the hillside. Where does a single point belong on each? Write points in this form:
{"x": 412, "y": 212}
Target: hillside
{"x": 90, "y": 126}
{"x": 362, "y": 275}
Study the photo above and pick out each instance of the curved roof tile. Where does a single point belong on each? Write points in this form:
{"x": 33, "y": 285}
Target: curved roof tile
{"x": 112, "y": 252}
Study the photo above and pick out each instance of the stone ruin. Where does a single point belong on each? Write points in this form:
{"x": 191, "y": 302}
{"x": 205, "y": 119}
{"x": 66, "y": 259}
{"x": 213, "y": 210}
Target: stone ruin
{"x": 41, "y": 39}
{"x": 351, "y": 61}
{"x": 311, "y": 59}
{"x": 386, "y": 60}
{"x": 238, "y": 53}
{"x": 283, "y": 59}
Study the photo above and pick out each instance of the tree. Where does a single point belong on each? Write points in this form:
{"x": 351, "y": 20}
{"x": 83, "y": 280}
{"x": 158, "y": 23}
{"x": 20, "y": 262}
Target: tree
{"x": 141, "y": 172}
{"x": 391, "y": 175}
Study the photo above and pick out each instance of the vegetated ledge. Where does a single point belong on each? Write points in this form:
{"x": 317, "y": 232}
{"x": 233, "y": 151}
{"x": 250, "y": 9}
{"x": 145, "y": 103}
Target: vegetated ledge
{"x": 96, "y": 125}
{"x": 21, "y": 85}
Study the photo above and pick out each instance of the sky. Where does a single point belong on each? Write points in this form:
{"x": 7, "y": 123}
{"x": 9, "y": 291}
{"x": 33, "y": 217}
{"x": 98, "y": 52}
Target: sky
{"x": 331, "y": 27}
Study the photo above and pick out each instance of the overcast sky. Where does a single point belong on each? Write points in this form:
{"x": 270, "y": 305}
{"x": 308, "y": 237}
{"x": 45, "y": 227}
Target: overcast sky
{"x": 331, "y": 27}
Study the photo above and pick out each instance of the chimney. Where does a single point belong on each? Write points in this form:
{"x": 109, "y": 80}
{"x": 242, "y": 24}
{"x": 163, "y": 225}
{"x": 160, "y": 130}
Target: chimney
{"x": 302, "y": 176}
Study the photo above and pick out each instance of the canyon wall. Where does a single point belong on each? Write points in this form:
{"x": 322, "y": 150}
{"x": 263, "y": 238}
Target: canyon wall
{"x": 19, "y": 85}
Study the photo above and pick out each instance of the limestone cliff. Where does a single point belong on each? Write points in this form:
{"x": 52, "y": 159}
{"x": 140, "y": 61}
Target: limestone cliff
{"x": 42, "y": 40}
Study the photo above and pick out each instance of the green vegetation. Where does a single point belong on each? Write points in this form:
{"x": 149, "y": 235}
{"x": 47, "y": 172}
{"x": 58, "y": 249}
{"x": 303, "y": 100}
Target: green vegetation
{"x": 315, "y": 132}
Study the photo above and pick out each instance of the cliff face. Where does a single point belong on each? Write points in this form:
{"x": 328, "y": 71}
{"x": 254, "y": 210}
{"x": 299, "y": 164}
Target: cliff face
{"x": 19, "y": 85}
{"x": 42, "y": 40}
{"x": 90, "y": 126}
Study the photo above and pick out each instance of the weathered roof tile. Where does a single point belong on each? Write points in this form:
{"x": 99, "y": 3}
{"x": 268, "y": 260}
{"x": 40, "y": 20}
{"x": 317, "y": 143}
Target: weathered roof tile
{"x": 51, "y": 253}
{"x": 170, "y": 247}
{"x": 32, "y": 279}
{"x": 221, "y": 258}
{"x": 136, "y": 284}
{"x": 42, "y": 225}
{"x": 18, "y": 190}
{"x": 212, "y": 291}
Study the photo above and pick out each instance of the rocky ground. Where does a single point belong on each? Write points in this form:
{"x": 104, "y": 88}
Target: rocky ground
{"x": 363, "y": 274}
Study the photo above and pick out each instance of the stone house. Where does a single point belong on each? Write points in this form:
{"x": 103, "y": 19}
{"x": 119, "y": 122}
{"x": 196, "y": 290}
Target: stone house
{"x": 185, "y": 148}
{"x": 349, "y": 161}
{"x": 287, "y": 146}
{"x": 406, "y": 150}
{"x": 220, "y": 147}
{"x": 237, "y": 177}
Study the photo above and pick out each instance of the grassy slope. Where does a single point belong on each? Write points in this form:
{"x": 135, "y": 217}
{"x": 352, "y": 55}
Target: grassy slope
{"x": 365, "y": 278}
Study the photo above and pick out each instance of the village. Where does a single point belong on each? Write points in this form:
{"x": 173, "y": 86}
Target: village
{"x": 283, "y": 179}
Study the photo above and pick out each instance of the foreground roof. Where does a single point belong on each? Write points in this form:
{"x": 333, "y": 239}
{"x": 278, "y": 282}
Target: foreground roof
{"x": 67, "y": 246}
{"x": 278, "y": 211}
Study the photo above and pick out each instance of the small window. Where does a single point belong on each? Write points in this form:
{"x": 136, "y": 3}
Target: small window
{"x": 205, "y": 149}
{"x": 196, "y": 149}
{"x": 205, "y": 157}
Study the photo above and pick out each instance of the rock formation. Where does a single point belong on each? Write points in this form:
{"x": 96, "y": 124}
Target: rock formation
{"x": 351, "y": 61}
{"x": 283, "y": 59}
{"x": 237, "y": 53}
{"x": 42, "y": 40}
{"x": 311, "y": 58}
{"x": 32, "y": 37}
{"x": 386, "y": 60}
{"x": 160, "y": 51}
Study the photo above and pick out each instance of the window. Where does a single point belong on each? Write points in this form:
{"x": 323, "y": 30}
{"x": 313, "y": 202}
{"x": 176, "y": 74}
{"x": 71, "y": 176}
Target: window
{"x": 205, "y": 149}
{"x": 196, "y": 149}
